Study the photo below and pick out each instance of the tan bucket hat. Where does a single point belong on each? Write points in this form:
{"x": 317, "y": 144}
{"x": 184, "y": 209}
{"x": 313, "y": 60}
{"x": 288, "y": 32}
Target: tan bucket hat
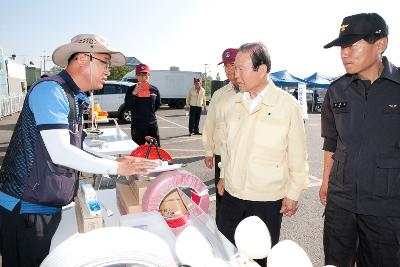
{"x": 89, "y": 43}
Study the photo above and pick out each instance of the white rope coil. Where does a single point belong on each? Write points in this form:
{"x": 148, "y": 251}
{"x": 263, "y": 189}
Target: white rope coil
{"x": 111, "y": 245}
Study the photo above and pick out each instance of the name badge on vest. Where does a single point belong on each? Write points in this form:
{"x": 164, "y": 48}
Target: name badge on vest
{"x": 339, "y": 105}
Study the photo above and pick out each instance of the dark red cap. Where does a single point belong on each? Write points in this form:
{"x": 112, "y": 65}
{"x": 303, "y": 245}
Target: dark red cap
{"x": 229, "y": 55}
{"x": 142, "y": 68}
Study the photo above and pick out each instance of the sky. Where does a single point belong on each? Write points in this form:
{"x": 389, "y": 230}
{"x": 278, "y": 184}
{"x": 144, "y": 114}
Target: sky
{"x": 192, "y": 34}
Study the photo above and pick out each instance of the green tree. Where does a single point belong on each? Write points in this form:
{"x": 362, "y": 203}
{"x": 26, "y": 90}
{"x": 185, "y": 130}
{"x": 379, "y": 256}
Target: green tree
{"x": 206, "y": 83}
{"x": 54, "y": 70}
{"x": 116, "y": 73}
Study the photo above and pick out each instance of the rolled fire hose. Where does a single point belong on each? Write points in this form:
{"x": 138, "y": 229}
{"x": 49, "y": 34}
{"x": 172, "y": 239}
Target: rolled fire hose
{"x": 109, "y": 246}
{"x": 165, "y": 183}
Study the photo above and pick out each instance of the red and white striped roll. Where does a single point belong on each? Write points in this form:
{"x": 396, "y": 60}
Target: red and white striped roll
{"x": 166, "y": 182}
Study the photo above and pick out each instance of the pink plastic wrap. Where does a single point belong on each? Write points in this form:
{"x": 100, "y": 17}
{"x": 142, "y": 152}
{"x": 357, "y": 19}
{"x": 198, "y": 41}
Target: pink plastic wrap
{"x": 166, "y": 182}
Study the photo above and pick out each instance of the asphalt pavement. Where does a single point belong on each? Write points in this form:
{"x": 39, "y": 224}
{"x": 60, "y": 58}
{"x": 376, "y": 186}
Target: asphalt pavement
{"x": 305, "y": 228}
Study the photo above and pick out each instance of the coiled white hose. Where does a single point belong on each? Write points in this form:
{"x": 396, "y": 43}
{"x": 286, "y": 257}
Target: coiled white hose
{"x": 111, "y": 245}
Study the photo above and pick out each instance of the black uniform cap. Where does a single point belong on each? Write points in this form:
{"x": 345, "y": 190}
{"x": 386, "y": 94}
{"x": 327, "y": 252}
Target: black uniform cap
{"x": 359, "y": 26}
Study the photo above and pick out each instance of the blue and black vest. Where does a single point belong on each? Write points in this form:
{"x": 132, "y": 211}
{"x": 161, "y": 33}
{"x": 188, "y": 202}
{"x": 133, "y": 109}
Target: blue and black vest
{"x": 28, "y": 172}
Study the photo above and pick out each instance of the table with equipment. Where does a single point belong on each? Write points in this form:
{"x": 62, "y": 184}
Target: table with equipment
{"x": 109, "y": 142}
{"x": 148, "y": 221}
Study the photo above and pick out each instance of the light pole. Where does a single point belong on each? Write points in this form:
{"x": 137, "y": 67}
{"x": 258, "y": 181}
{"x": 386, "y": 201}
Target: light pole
{"x": 45, "y": 58}
{"x": 205, "y": 75}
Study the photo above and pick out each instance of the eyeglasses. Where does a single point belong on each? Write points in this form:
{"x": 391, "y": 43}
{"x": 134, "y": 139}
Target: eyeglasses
{"x": 107, "y": 64}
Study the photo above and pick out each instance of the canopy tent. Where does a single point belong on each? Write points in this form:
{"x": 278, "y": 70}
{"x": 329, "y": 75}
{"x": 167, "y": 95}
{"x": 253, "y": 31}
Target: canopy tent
{"x": 284, "y": 78}
{"x": 318, "y": 81}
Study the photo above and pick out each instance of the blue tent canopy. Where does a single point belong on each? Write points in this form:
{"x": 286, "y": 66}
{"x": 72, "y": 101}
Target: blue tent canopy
{"x": 318, "y": 81}
{"x": 284, "y": 78}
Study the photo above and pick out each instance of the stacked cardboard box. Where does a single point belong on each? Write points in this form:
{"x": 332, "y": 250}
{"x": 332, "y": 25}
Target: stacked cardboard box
{"x": 172, "y": 206}
{"x": 85, "y": 221}
{"x": 138, "y": 187}
{"x": 129, "y": 196}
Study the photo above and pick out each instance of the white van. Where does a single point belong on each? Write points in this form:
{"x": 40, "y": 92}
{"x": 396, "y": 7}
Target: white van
{"x": 172, "y": 84}
{"x": 112, "y": 97}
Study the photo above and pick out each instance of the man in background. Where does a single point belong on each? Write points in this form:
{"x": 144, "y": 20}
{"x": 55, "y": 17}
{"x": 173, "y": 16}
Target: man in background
{"x": 143, "y": 100}
{"x": 195, "y": 100}
{"x": 213, "y": 131}
{"x": 315, "y": 100}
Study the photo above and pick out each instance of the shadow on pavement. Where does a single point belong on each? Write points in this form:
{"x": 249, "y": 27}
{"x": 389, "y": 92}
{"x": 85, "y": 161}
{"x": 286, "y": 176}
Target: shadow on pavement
{"x": 187, "y": 160}
{"x": 172, "y": 137}
{"x": 175, "y": 116}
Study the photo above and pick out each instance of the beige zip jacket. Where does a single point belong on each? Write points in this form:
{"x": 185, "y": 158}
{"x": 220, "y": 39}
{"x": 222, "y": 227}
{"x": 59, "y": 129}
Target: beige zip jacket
{"x": 265, "y": 157}
{"x": 196, "y": 99}
{"x": 213, "y": 131}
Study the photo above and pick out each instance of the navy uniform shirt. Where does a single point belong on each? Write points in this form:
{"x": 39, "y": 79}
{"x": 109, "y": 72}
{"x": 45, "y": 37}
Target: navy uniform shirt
{"x": 361, "y": 124}
{"x": 143, "y": 108}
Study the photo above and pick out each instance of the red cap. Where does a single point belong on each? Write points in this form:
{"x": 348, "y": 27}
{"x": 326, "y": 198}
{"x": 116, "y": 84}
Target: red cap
{"x": 142, "y": 68}
{"x": 196, "y": 80}
{"x": 229, "y": 55}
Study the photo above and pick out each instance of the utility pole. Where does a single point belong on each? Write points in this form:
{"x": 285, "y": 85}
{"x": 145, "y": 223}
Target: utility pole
{"x": 205, "y": 74}
{"x": 45, "y": 58}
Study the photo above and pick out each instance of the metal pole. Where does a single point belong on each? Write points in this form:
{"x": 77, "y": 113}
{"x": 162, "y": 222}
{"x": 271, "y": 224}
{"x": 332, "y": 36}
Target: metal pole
{"x": 205, "y": 74}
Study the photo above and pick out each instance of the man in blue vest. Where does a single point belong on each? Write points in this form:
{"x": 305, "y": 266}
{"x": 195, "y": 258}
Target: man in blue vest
{"x": 40, "y": 169}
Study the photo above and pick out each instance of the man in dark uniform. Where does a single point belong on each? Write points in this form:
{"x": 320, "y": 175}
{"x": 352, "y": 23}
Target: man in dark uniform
{"x": 360, "y": 123}
{"x": 315, "y": 100}
{"x": 143, "y": 106}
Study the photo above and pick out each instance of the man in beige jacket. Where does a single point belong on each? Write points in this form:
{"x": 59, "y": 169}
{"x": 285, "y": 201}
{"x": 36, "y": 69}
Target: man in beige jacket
{"x": 195, "y": 99}
{"x": 264, "y": 159}
{"x": 213, "y": 131}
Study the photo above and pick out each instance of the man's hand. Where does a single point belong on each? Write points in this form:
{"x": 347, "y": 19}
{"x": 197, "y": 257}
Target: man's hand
{"x": 128, "y": 165}
{"x": 328, "y": 163}
{"x": 221, "y": 186}
{"x": 289, "y": 207}
{"x": 209, "y": 162}
{"x": 323, "y": 192}
{"x": 137, "y": 89}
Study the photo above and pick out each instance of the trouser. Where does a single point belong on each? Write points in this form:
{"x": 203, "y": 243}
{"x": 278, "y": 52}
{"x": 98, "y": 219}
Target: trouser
{"x": 25, "y": 238}
{"x": 194, "y": 119}
{"x": 140, "y": 130}
{"x": 314, "y": 106}
{"x": 369, "y": 241}
{"x": 233, "y": 210}
{"x": 217, "y": 158}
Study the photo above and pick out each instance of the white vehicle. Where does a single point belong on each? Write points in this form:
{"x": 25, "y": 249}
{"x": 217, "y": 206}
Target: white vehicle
{"x": 112, "y": 98}
{"x": 173, "y": 85}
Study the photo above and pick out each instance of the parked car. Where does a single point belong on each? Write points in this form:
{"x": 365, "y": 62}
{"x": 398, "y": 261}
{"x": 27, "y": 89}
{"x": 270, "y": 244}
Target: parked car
{"x": 112, "y": 97}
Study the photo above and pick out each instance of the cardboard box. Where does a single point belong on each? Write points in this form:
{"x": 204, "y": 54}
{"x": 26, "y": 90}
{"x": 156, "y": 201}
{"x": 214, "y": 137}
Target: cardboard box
{"x": 84, "y": 220}
{"x": 127, "y": 201}
{"x": 138, "y": 187}
{"x": 172, "y": 206}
